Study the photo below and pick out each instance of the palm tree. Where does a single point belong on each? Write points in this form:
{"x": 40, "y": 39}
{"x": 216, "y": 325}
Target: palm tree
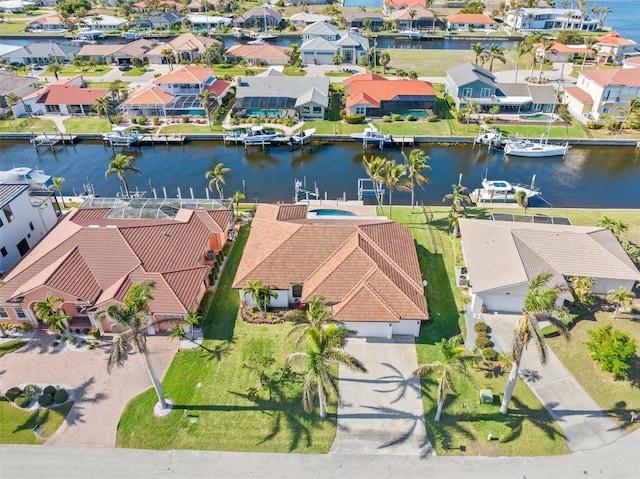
{"x": 394, "y": 178}
{"x": 338, "y": 59}
{"x": 454, "y": 358}
{"x": 413, "y": 75}
{"x": 459, "y": 198}
{"x": 589, "y": 42}
{"x": 58, "y": 181}
{"x": 324, "y": 349}
{"x": 213, "y": 54}
{"x": 495, "y": 53}
{"x": 168, "y": 55}
{"x": 505, "y": 360}
{"x": 412, "y": 13}
{"x": 121, "y": 165}
{"x": 416, "y": 163}
{"x": 237, "y": 196}
{"x": 521, "y": 199}
{"x": 49, "y": 312}
{"x": 472, "y": 107}
{"x": 631, "y": 111}
{"x": 260, "y": 293}
{"x": 129, "y": 320}
{"x": 385, "y": 59}
{"x": 539, "y": 304}
{"x": 617, "y": 227}
{"x": 205, "y": 99}
{"x": 375, "y": 169}
{"x": 523, "y": 49}
{"x": 621, "y": 299}
{"x": 54, "y": 68}
{"x": 105, "y": 106}
{"x": 216, "y": 178}
{"x": 193, "y": 319}
{"x": 12, "y": 100}
{"x": 545, "y": 46}
{"x": 478, "y": 50}
{"x": 316, "y": 314}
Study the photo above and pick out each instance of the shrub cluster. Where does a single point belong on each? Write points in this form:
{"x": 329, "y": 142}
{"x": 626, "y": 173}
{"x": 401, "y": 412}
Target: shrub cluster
{"x": 23, "y": 401}
{"x": 45, "y": 400}
{"x": 95, "y": 332}
{"x": 481, "y": 327}
{"x": 489, "y": 354}
{"x": 482, "y": 341}
{"x": 13, "y": 393}
{"x": 60, "y": 396}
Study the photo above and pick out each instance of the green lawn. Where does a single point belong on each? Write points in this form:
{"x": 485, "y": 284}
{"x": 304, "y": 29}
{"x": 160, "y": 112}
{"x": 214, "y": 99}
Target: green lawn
{"x": 11, "y": 346}
{"x": 72, "y": 70}
{"x": 13, "y": 28}
{"x": 27, "y": 125}
{"x": 234, "y": 70}
{"x": 338, "y": 74}
{"x": 17, "y": 425}
{"x": 135, "y": 72}
{"x": 192, "y": 128}
{"x": 295, "y": 72}
{"x": 528, "y": 429}
{"x": 212, "y": 388}
{"x": 87, "y": 125}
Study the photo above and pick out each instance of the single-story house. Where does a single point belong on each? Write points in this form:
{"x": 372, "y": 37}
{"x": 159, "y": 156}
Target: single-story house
{"x": 208, "y": 21}
{"x": 612, "y": 48}
{"x": 469, "y": 81}
{"x": 284, "y": 96}
{"x": 259, "y": 17}
{"x": 116, "y": 53}
{"x": 13, "y": 6}
{"x": 47, "y": 23}
{"x": 158, "y": 20}
{"x": 367, "y": 270}
{"x": 105, "y": 22}
{"x": 474, "y": 21}
{"x": 372, "y": 20}
{"x": 174, "y": 250}
{"x": 302, "y": 19}
{"x": 43, "y": 53}
{"x": 502, "y": 257}
{"x": 257, "y": 54}
{"x": 379, "y": 97}
{"x": 12, "y": 84}
{"x": 391, "y": 6}
{"x": 68, "y": 96}
{"x": 559, "y": 52}
{"x": 422, "y": 18}
{"x": 187, "y": 46}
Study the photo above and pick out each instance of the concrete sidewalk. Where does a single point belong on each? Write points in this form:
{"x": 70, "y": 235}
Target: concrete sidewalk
{"x": 584, "y": 425}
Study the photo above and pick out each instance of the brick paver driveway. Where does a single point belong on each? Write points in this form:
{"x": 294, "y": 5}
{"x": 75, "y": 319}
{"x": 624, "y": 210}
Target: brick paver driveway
{"x": 100, "y": 397}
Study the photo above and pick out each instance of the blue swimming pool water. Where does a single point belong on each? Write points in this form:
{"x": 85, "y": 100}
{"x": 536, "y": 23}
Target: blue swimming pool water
{"x": 330, "y": 212}
{"x": 265, "y": 113}
{"x": 363, "y": 3}
{"x": 541, "y": 117}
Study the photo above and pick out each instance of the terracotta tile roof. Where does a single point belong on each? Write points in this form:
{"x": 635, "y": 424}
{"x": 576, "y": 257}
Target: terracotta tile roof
{"x": 562, "y": 48}
{"x": 404, "y": 3}
{"x": 55, "y": 19}
{"x": 362, "y": 76}
{"x": 150, "y": 96}
{"x": 56, "y": 94}
{"x": 259, "y": 52}
{"x": 219, "y": 87}
{"x": 579, "y": 94}
{"x": 185, "y": 74}
{"x": 361, "y": 98}
{"x": 471, "y": 19}
{"x": 615, "y": 39}
{"x": 619, "y": 76}
{"x": 421, "y": 13}
{"x": 351, "y": 264}
{"x": 185, "y": 284}
{"x": 387, "y": 90}
{"x": 632, "y": 61}
{"x": 292, "y": 212}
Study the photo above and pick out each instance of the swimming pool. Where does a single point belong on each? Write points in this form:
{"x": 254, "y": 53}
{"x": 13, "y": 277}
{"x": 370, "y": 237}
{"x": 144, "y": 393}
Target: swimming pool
{"x": 541, "y": 117}
{"x": 265, "y": 113}
{"x": 331, "y": 212}
{"x": 362, "y": 3}
{"x": 414, "y": 113}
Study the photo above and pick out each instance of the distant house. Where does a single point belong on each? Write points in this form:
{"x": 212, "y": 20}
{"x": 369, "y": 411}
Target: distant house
{"x": 604, "y": 91}
{"x": 559, "y": 52}
{"x": 13, "y": 6}
{"x": 302, "y": 19}
{"x": 550, "y": 19}
{"x": 158, "y": 20}
{"x": 257, "y": 54}
{"x": 367, "y": 271}
{"x": 12, "y": 84}
{"x": 631, "y": 62}
{"x": 26, "y": 216}
{"x": 472, "y": 82}
{"x": 502, "y": 257}
{"x": 68, "y": 96}
{"x": 471, "y": 21}
{"x": 323, "y": 41}
{"x": 379, "y": 96}
{"x": 260, "y": 18}
{"x": 613, "y": 48}
{"x": 116, "y": 53}
{"x": 187, "y": 47}
{"x": 47, "y": 23}
{"x": 105, "y": 22}
{"x": 371, "y": 20}
{"x": 208, "y": 22}
{"x": 174, "y": 250}
{"x": 391, "y": 6}
{"x": 423, "y": 18}
{"x": 284, "y": 96}
{"x": 176, "y": 93}
{"x": 43, "y": 53}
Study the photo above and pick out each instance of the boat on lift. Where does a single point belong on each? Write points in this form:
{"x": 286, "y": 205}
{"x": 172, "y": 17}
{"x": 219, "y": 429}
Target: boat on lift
{"x": 259, "y": 135}
{"x": 489, "y": 136}
{"x": 88, "y": 33}
{"x": 132, "y": 35}
{"x": 501, "y": 191}
{"x": 302, "y": 137}
{"x": 372, "y": 135}
{"x": 36, "y": 179}
{"x": 120, "y": 136}
{"x": 411, "y": 34}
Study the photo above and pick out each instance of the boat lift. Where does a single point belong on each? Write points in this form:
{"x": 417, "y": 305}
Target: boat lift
{"x": 375, "y": 189}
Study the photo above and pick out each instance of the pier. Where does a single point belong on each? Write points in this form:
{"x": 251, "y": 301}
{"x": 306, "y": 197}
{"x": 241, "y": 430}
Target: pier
{"x": 52, "y": 139}
{"x": 389, "y": 141}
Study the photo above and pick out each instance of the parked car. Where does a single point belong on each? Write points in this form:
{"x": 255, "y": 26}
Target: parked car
{"x": 35, "y": 66}
{"x": 124, "y": 68}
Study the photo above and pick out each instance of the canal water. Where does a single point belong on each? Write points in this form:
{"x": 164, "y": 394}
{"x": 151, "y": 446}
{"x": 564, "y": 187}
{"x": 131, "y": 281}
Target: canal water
{"x": 603, "y": 177}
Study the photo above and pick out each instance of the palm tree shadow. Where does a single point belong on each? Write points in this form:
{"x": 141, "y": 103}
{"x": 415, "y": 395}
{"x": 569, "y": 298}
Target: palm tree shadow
{"x": 398, "y": 382}
{"x": 81, "y": 397}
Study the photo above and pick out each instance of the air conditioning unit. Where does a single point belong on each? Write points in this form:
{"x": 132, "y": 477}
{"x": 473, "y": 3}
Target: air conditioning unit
{"x": 211, "y": 255}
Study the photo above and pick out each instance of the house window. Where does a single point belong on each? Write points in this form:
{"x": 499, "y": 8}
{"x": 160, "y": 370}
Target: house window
{"x": 296, "y": 290}
{"x": 31, "y": 226}
{"x": 23, "y": 247}
{"x": 79, "y": 308}
{"x": 360, "y": 110}
{"x": 317, "y": 109}
{"x": 485, "y": 93}
{"x": 8, "y": 213}
{"x": 28, "y": 108}
{"x": 606, "y": 110}
{"x": 53, "y": 108}
{"x": 3, "y": 251}
{"x": 20, "y": 313}
{"x": 3, "y": 313}
{"x": 467, "y": 91}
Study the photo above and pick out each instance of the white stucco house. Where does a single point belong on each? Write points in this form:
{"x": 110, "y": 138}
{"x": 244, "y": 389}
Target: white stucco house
{"x": 502, "y": 257}
{"x": 366, "y": 269}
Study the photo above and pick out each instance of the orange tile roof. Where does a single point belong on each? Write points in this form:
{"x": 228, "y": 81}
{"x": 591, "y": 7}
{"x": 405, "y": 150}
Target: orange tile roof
{"x": 579, "y": 94}
{"x": 65, "y": 94}
{"x": 375, "y": 91}
{"x": 619, "y": 76}
{"x": 369, "y": 271}
{"x": 615, "y": 39}
{"x": 185, "y": 74}
{"x": 362, "y": 76}
{"x": 258, "y": 52}
{"x": 562, "y": 48}
{"x": 471, "y": 18}
{"x": 150, "y": 96}
{"x": 404, "y": 3}
{"x": 218, "y": 87}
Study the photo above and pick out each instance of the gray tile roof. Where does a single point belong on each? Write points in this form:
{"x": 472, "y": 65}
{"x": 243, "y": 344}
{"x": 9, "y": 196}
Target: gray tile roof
{"x": 351, "y": 39}
{"x": 282, "y": 87}
{"x": 44, "y": 50}
{"x": 321, "y": 28}
{"x": 10, "y": 82}
{"x": 468, "y": 73}
{"x": 318, "y": 44}
{"x": 314, "y": 96}
{"x": 9, "y": 191}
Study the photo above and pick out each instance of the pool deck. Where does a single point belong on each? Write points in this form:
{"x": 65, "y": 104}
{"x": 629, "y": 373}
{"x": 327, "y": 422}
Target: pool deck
{"x": 355, "y": 207}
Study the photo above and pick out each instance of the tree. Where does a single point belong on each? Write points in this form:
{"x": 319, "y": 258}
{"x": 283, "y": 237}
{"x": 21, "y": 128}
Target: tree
{"x": 58, "y": 181}
{"x": 338, "y": 59}
{"x": 505, "y": 359}
{"x": 413, "y": 75}
{"x": 631, "y": 111}
{"x": 612, "y": 349}
{"x": 316, "y": 314}
{"x": 617, "y": 227}
{"x": 205, "y": 98}
{"x": 260, "y": 293}
{"x": 237, "y": 196}
{"x": 12, "y": 100}
{"x": 539, "y": 305}
{"x": 543, "y": 48}
{"x": 374, "y": 168}
{"x": 394, "y": 178}
{"x": 582, "y": 287}
{"x": 168, "y": 56}
{"x": 620, "y": 299}
{"x": 50, "y": 312}
{"x": 120, "y": 166}
{"x": 324, "y": 349}
{"x": 521, "y": 199}
{"x": 416, "y": 163}
{"x": 54, "y": 68}
{"x": 459, "y": 198}
{"x": 216, "y": 178}
{"x": 590, "y": 43}
{"x": 454, "y": 358}
{"x": 193, "y": 319}
{"x": 479, "y": 51}
{"x": 130, "y": 322}
{"x": 472, "y": 107}
{"x": 213, "y": 53}
{"x": 105, "y": 107}
{"x": 412, "y": 13}
{"x": 495, "y": 53}
{"x": 115, "y": 88}
{"x": 385, "y": 59}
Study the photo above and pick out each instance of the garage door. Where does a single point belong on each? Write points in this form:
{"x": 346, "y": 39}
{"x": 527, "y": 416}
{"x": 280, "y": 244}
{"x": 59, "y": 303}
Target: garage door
{"x": 371, "y": 330}
{"x": 410, "y": 327}
{"x": 508, "y": 303}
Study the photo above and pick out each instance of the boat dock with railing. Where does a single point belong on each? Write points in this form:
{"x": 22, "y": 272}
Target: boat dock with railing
{"x": 52, "y": 139}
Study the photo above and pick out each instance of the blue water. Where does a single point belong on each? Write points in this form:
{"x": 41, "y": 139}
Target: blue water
{"x": 330, "y": 212}
{"x": 363, "y": 3}
{"x": 623, "y": 18}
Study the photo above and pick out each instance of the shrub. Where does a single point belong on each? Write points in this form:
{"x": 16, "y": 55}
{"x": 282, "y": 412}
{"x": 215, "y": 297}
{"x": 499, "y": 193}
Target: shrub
{"x": 85, "y": 331}
{"x": 483, "y": 342}
{"x": 32, "y": 391}
{"x": 49, "y": 390}
{"x": 45, "y": 400}
{"x": 13, "y": 393}
{"x": 354, "y": 119}
{"x": 432, "y": 118}
{"x": 386, "y": 119}
{"x": 77, "y": 330}
{"x": 95, "y": 332}
{"x": 60, "y": 396}
{"x": 117, "y": 119}
{"x": 23, "y": 401}
{"x": 55, "y": 343}
{"x": 396, "y": 117}
{"x": 26, "y": 327}
{"x": 489, "y": 354}
{"x": 594, "y": 125}
{"x": 411, "y": 118}
{"x": 612, "y": 349}
{"x": 155, "y": 121}
{"x": 142, "y": 120}
{"x": 480, "y": 327}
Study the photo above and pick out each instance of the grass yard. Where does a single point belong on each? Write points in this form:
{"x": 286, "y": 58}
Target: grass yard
{"x": 135, "y": 72}
{"x": 192, "y": 128}
{"x": 17, "y": 424}
{"x": 72, "y": 70}
{"x": 87, "y": 125}
{"x": 13, "y": 28}
{"x": 219, "y": 414}
{"x": 295, "y": 72}
{"x": 27, "y": 125}
{"x": 234, "y": 70}
{"x": 528, "y": 429}
{"x": 11, "y": 346}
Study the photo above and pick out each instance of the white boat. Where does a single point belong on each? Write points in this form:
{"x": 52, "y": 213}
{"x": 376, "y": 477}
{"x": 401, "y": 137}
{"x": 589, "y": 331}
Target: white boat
{"x": 502, "y": 191}
{"x": 263, "y": 37}
{"x": 515, "y": 146}
{"x": 119, "y": 136}
{"x": 259, "y": 135}
{"x": 302, "y": 137}
{"x": 36, "y": 179}
{"x": 237, "y": 32}
{"x": 258, "y": 41}
{"x": 411, "y": 33}
{"x": 132, "y": 35}
{"x": 371, "y": 134}
{"x": 82, "y": 41}
{"x": 489, "y": 136}
{"x": 88, "y": 33}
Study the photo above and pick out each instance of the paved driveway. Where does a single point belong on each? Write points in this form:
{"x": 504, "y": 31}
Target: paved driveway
{"x": 100, "y": 397}
{"x": 381, "y": 412}
{"x": 584, "y": 425}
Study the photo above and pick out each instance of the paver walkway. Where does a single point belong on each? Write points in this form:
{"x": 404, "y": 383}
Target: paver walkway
{"x": 100, "y": 397}
{"x": 583, "y": 423}
{"x": 381, "y": 412}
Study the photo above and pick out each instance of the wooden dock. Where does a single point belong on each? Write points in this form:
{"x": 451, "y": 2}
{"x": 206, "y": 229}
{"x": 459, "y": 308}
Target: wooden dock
{"x": 389, "y": 141}
{"x": 159, "y": 139}
{"x": 51, "y": 139}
